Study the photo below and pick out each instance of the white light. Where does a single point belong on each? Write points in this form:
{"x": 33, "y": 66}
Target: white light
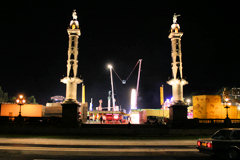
{"x": 91, "y": 105}
{"x": 226, "y": 99}
{"x": 135, "y": 118}
{"x": 133, "y": 99}
{"x": 188, "y": 101}
{"x": 115, "y": 116}
{"x": 110, "y": 66}
{"x": 238, "y": 108}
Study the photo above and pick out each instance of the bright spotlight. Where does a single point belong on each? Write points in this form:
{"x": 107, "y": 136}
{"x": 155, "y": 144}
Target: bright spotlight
{"x": 226, "y": 99}
{"x": 133, "y": 99}
{"x": 188, "y": 101}
{"x": 110, "y": 66}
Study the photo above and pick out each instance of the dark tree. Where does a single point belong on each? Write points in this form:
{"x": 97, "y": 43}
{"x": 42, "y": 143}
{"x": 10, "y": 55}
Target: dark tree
{"x": 3, "y": 96}
{"x": 31, "y": 100}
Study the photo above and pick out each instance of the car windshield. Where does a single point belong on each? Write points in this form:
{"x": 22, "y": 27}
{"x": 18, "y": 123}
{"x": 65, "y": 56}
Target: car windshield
{"x": 221, "y": 134}
{"x": 236, "y": 134}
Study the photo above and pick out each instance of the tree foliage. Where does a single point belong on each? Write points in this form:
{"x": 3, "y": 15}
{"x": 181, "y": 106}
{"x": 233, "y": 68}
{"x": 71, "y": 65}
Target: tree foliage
{"x": 3, "y": 96}
{"x": 31, "y": 100}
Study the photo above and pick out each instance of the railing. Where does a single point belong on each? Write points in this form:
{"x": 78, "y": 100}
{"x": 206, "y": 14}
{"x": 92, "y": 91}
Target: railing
{"x": 216, "y": 121}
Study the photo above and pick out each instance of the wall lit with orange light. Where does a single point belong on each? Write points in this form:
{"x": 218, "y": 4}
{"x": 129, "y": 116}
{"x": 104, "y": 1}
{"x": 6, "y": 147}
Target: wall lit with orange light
{"x": 211, "y": 107}
{"x": 157, "y": 112}
{"x": 27, "y": 110}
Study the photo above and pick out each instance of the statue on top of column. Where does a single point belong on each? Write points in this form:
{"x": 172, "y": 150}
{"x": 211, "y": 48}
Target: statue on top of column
{"x": 175, "y": 18}
{"x": 74, "y": 14}
{"x": 74, "y": 23}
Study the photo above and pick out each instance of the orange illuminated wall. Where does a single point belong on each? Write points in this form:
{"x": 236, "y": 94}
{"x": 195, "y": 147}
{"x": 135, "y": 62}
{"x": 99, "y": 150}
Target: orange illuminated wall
{"x": 211, "y": 107}
{"x": 156, "y": 112}
{"x": 27, "y": 110}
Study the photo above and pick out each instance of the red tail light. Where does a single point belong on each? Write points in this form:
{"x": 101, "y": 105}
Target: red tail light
{"x": 209, "y": 144}
{"x": 198, "y": 143}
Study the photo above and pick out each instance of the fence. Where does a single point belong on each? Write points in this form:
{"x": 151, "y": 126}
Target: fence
{"x": 216, "y": 121}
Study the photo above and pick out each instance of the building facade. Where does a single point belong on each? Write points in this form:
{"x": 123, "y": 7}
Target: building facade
{"x": 27, "y": 110}
{"x": 211, "y": 107}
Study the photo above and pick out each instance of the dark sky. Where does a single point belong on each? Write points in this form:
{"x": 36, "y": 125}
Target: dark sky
{"x": 34, "y": 45}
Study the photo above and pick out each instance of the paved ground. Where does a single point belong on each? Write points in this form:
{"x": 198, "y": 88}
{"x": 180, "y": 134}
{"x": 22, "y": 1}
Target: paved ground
{"x": 40, "y": 148}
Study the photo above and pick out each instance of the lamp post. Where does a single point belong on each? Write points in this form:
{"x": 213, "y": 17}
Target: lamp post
{"x": 20, "y": 101}
{"x": 227, "y": 120}
{"x": 227, "y": 107}
{"x": 227, "y": 111}
{"x": 113, "y": 100}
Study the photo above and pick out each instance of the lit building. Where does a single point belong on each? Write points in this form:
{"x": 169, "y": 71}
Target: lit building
{"x": 57, "y": 99}
{"x": 53, "y": 110}
{"x": 232, "y": 94}
{"x": 235, "y": 92}
{"x": 139, "y": 116}
{"x": 211, "y": 107}
{"x": 157, "y": 112}
{"x": 27, "y": 110}
{"x": 108, "y": 117}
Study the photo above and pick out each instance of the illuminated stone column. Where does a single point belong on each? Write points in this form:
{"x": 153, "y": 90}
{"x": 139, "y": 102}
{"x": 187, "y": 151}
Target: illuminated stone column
{"x": 177, "y": 82}
{"x": 71, "y": 80}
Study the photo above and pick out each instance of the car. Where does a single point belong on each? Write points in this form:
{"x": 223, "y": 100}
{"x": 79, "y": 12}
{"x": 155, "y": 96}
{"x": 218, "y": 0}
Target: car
{"x": 152, "y": 120}
{"x": 224, "y": 142}
{"x": 155, "y": 120}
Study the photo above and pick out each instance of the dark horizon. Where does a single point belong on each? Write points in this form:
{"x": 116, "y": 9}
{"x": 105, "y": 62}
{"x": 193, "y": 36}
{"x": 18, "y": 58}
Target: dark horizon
{"x": 34, "y": 45}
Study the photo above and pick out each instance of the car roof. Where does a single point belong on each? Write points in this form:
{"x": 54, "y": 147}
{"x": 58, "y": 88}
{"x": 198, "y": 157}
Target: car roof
{"x": 230, "y": 129}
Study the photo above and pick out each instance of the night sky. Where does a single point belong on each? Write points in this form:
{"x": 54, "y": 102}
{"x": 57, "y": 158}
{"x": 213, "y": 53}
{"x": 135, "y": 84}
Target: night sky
{"x": 34, "y": 43}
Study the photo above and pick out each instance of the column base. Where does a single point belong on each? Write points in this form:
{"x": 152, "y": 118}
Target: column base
{"x": 70, "y": 115}
{"x": 178, "y": 115}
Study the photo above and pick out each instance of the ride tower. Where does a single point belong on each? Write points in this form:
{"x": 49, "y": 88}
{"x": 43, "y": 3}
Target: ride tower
{"x": 178, "y": 109}
{"x": 71, "y": 80}
{"x": 177, "y": 82}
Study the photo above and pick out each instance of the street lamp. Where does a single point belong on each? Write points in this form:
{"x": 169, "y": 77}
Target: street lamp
{"x": 20, "y": 101}
{"x": 227, "y": 120}
{"x": 113, "y": 100}
{"x": 188, "y": 101}
{"x": 227, "y": 107}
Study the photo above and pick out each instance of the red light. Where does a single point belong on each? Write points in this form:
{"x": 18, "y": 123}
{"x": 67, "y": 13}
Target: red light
{"x": 198, "y": 143}
{"x": 209, "y": 144}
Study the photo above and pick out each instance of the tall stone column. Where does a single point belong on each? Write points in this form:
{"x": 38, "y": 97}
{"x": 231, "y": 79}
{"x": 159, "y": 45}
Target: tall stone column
{"x": 71, "y": 80}
{"x": 178, "y": 110}
{"x": 71, "y": 107}
{"x": 177, "y": 82}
